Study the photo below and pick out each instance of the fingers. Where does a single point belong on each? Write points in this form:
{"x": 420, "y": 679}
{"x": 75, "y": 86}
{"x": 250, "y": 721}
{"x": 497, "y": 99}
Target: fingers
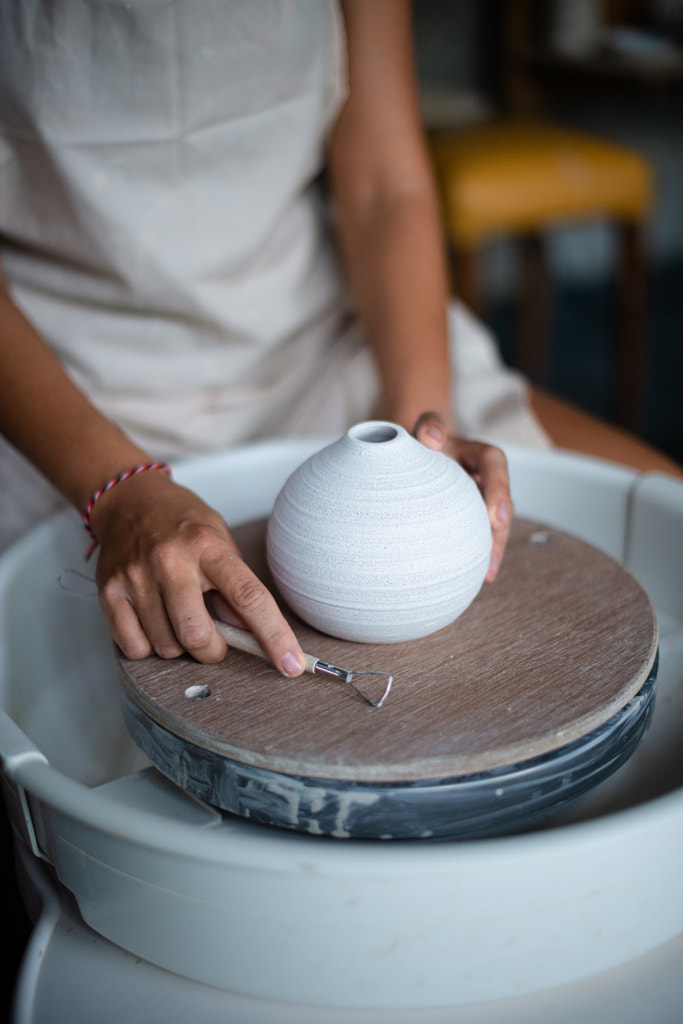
{"x": 155, "y": 612}
{"x": 499, "y": 533}
{"x": 152, "y": 578}
{"x": 488, "y": 466}
{"x": 244, "y": 600}
{"x": 430, "y": 430}
{"x": 175, "y": 619}
{"x": 124, "y": 624}
{"x": 223, "y": 611}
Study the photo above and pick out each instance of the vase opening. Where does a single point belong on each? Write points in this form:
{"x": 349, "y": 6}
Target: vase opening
{"x": 374, "y": 433}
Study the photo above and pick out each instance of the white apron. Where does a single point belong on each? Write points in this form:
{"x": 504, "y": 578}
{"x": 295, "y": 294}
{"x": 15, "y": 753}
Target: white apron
{"x": 162, "y": 225}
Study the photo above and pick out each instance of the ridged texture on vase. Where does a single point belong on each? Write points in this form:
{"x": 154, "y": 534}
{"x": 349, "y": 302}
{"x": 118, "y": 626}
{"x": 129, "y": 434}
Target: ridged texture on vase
{"x": 378, "y": 539}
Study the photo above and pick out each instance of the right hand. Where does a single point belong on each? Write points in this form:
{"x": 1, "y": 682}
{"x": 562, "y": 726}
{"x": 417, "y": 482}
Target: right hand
{"x": 487, "y": 466}
{"x": 161, "y": 550}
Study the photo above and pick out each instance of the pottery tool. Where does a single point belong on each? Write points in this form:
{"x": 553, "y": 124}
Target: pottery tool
{"x": 540, "y": 690}
{"x": 247, "y": 642}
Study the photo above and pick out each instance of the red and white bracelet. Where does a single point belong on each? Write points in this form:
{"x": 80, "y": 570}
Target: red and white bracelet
{"x": 107, "y": 487}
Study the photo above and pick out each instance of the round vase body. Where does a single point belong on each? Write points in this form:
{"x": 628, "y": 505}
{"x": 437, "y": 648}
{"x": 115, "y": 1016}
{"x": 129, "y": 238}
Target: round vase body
{"x": 378, "y": 539}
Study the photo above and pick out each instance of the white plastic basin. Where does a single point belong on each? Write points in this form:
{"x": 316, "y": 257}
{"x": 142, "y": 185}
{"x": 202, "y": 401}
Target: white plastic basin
{"x": 324, "y": 923}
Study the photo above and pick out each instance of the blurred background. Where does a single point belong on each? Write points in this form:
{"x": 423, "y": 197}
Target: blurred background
{"x": 613, "y": 68}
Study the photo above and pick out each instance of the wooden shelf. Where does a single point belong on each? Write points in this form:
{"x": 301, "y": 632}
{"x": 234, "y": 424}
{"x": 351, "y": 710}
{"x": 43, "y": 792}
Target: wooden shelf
{"x": 629, "y": 52}
{"x": 605, "y": 67}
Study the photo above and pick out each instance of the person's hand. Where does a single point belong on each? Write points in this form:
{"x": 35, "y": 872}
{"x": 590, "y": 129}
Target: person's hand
{"x": 161, "y": 550}
{"x": 487, "y": 465}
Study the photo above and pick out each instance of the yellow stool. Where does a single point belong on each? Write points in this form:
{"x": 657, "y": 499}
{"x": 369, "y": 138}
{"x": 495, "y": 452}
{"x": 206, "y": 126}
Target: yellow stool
{"x": 524, "y": 178}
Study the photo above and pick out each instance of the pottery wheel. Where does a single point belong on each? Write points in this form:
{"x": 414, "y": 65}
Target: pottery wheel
{"x": 539, "y": 690}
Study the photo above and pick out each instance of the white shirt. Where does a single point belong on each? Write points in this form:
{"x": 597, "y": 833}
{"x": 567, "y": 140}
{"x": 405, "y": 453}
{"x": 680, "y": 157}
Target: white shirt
{"x": 159, "y": 212}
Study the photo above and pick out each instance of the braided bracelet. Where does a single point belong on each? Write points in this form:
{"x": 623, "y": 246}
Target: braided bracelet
{"x": 107, "y": 487}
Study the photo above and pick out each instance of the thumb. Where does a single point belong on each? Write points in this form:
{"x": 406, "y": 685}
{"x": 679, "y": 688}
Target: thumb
{"x": 430, "y": 430}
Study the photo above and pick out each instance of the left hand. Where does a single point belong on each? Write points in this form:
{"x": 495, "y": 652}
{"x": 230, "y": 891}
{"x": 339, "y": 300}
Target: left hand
{"x": 487, "y": 466}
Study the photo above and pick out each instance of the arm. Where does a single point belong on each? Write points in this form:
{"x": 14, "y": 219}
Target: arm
{"x": 162, "y": 548}
{"x": 389, "y": 229}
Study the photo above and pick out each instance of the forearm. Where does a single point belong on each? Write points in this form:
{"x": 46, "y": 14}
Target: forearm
{"x": 388, "y": 216}
{"x": 162, "y": 548}
{"x": 46, "y": 417}
{"x": 397, "y": 274}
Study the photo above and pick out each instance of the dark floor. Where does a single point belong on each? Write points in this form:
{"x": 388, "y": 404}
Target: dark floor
{"x": 15, "y": 922}
{"x": 581, "y": 362}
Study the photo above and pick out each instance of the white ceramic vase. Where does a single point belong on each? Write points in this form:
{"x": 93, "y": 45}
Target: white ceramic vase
{"x": 379, "y": 539}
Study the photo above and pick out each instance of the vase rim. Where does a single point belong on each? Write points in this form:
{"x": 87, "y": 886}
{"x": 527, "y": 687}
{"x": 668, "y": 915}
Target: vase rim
{"x": 375, "y": 432}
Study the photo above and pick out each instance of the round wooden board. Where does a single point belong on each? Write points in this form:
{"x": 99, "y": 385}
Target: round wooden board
{"x": 551, "y": 651}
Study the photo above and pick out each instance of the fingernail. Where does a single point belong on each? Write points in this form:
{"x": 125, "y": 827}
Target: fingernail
{"x": 503, "y": 514}
{"x": 438, "y": 433}
{"x": 494, "y": 565}
{"x": 291, "y": 666}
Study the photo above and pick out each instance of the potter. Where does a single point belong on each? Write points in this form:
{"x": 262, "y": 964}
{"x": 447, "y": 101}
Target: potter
{"x": 379, "y": 539}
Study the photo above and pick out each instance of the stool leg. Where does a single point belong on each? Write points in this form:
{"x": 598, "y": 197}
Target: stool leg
{"x": 630, "y": 341}
{"x": 467, "y": 279}
{"x": 534, "y": 325}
